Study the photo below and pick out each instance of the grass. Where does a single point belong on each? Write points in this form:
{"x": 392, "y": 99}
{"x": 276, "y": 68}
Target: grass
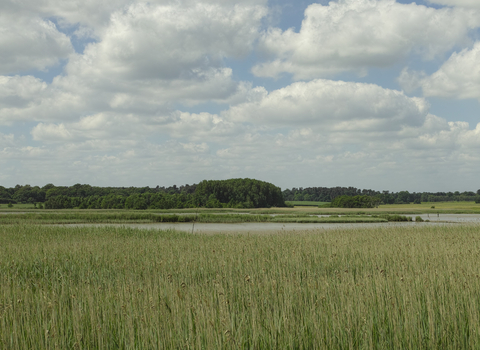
{"x": 305, "y": 203}
{"x": 104, "y": 288}
{"x": 424, "y": 208}
{"x": 60, "y": 217}
{"x": 4, "y": 207}
{"x": 400, "y": 209}
{"x": 110, "y": 217}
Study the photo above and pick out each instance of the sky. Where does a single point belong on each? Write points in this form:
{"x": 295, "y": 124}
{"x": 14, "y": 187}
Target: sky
{"x": 377, "y": 94}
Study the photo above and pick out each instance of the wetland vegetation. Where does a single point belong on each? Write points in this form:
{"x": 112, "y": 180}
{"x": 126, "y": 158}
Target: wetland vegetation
{"x": 111, "y": 286}
{"x": 78, "y": 217}
{"x": 115, "y": 287}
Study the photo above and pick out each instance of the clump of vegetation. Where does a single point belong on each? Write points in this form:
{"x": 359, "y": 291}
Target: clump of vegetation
{"x": 395, "y": 217}
{"x": 116, "y": 287}
{"x": 419, "y": 219}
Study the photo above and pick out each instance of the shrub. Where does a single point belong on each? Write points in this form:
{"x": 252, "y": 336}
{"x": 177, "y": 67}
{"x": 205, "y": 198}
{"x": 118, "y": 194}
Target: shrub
{"x": 419, "y": 219}
{"x": 396, "y": 217}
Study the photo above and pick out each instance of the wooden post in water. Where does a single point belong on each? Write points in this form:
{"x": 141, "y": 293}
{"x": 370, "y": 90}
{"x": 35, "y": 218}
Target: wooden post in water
{"x": 196, "y": 215}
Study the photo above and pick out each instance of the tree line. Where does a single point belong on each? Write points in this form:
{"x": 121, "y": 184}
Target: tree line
{"x": 328, "y": 194}
{"x": 36, "y": 194}
{"x": 233, "y": 193}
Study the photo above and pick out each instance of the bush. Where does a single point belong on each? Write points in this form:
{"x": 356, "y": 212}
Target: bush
{"x": 396, "y": 217}
{"x": 419, "y": 219}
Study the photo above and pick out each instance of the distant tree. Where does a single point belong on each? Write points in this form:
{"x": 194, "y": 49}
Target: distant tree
{"x": 248, "y": 193}
{"x": 360, "y": 201}
{"x": 213, "y": 202}
{"x": 403, "y": 197}
{"x": 5, "y": 196}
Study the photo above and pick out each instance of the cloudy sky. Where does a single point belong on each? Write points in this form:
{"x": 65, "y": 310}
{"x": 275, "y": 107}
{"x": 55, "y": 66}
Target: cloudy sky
{"x": 378, "y": 94}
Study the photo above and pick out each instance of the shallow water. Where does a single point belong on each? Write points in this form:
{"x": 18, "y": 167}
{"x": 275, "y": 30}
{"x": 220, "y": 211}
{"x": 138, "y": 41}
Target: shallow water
{"x": 261, "y": 227}
{"x": 268, "y": 227}
{"x": 449, "y": 217}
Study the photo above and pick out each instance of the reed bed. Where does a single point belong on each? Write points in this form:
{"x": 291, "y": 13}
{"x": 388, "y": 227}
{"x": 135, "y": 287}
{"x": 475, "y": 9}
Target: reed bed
{"x": 119, "y": 288}
{"x": 60, "y": 217}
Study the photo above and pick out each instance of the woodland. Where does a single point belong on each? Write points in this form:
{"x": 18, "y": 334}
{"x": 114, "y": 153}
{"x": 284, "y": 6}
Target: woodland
{"x": 232, "y": 193}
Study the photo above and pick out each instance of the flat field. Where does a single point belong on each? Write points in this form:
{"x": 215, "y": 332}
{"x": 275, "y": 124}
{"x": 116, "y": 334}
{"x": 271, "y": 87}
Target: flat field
{"x": 305, "y": 203}
{"x": 424, "y": 208}
{"x": 120, "y": 288}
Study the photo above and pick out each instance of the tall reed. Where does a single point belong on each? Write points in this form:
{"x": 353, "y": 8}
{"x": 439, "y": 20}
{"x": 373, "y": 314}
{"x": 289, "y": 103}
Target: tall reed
{"x": 114, "y": 287}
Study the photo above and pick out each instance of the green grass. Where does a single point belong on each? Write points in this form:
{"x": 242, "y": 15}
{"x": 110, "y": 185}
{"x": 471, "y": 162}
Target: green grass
{"x": 440, "y": 207}
{"x": 16, "y": 207}
{"x": 305, "y": 203}
{"x": 120, "y": 288}
{"x": 109, "y": 217}
{"x": 400, "y": 209}
{"x": 60, "y": 217}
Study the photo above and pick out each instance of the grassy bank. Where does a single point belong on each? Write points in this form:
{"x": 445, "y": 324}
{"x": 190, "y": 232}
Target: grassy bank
{"x": 305, "y": 203}
{"x": 101, "y": 288}
{"x": 400, "y": 209}
{"x": 101, "y": 217}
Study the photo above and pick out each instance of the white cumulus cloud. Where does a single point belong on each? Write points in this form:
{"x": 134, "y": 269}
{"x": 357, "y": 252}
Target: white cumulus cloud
{"x": 50, "y": 132}
{"x": 28, "y": 42}
{"x": 458, "y": 77}
{"x": 354, "y": 35}
{"x": 149, "y": 57}
{"x": 333, "y": 106}
{"x": 461, "y": 3}
{"x": 93, "y": 16}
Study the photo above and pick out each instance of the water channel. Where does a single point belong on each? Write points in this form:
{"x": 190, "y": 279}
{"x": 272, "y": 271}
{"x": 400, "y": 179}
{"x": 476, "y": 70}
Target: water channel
{"x": 266, "y": 227}
{"x": 269, "y": 227}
